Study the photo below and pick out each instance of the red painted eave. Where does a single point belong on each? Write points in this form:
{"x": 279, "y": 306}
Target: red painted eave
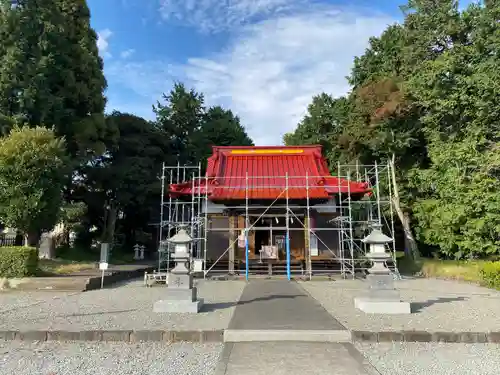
{"x": 236, "y": 173}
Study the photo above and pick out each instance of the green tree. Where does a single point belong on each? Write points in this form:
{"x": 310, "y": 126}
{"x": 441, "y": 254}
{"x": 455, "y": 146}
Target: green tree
{"x": 53, "y": 77}
{"x": 123, "y": 182}
{"x": 323, "y": 124}
{"x": 32, "y": 174}
{"x": 180, "y": 118}
{"x": 220, "y": 127}
{"x": 421, "y": 91}
{"x": 190, "y": 129}
{"x": 459, "y": 213}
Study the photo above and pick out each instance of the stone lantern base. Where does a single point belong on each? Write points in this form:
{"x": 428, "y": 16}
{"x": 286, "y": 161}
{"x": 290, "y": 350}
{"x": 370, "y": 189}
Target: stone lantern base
{"x": 179, "y": 303}
{"x": 382, "y": 297}
{"x": 181, "y": 295}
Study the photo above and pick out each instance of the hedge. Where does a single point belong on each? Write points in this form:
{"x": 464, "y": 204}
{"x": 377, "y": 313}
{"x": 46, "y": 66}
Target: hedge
{"x": 490, "y": 274}
{"x": 18, "y": 261}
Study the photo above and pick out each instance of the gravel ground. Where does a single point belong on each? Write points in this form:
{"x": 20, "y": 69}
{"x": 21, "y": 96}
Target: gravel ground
{"x": 52, "y": 358}
{"x": 438, "y": 305}
{"x": 127, "y": 306}
{"x": 433, "y": 358}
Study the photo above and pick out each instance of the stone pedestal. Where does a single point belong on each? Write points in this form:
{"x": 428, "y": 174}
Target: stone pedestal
{"x": 382, "y": 297}
{"x": 181, "y": 295}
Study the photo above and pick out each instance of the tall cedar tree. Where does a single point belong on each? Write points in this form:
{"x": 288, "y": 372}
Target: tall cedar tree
{"x": 50, "y": 71}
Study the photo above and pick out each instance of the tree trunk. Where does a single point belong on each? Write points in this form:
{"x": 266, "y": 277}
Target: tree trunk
{"x": 31, "y": 239}
{"x": 411, "y": 247}
{"x": 109, "y": 230}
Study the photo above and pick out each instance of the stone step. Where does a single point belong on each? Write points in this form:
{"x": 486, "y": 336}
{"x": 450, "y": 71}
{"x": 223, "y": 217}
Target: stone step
{"x": 77, "y": 282}
{"x": 265, "y": 335}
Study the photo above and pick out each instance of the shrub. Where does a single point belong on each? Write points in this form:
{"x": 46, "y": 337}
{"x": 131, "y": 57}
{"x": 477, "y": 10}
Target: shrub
{"x": 18, "y": 261}
{"x": 490, "y": 274}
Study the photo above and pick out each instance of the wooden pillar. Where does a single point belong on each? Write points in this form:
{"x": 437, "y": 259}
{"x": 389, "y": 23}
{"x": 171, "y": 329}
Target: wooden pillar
{"x": 233, "y": 236}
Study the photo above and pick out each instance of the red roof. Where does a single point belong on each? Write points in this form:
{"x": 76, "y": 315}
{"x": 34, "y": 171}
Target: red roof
{"x": 261, "y": 172}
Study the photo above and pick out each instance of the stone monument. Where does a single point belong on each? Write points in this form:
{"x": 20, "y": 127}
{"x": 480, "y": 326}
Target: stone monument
{"x": 46, "y": 248}
{"x": 136, "y": 252}
{"x": 181, "y": 294}
{"x": 382, "y": 297}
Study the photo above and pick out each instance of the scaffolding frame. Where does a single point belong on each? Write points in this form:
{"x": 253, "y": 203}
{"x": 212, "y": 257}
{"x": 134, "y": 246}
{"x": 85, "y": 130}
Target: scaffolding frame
{"x": 352, "y": 221}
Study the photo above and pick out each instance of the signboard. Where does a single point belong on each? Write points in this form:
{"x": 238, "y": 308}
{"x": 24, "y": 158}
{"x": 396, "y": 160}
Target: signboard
{"x": 241, "y": 240}
{"x": 270, "y": 252}
{"x": 197, "y": 265}
{"x": 279, "y": 240}
{"x": 103, "y": 266}
{"x": 313, "y": 245}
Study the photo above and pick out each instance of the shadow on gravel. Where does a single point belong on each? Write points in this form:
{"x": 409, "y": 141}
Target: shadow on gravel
{"x": 420, "y": 306}
{"x": 224, "y": 305}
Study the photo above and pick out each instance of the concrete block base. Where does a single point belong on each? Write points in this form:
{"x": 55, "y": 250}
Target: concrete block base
{"x": 177, "y": 306}
{"x": 377, "y": 306}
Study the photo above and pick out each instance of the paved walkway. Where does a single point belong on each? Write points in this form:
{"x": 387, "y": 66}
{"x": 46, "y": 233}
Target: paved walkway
{"x": 280, "y": 306}
{"x": 292, "y": 358}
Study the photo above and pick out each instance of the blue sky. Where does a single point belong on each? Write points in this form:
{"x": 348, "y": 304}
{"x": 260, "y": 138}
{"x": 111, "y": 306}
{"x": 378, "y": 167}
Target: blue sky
{"x": 263, "y": 59}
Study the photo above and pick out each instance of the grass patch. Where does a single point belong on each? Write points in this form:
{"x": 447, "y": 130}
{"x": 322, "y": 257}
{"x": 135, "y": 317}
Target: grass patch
{"x": 467, "y": 270}
{"x": 47, "y": 267}
{"x": 461, "y": 270}
{"x": 71, "y": 260}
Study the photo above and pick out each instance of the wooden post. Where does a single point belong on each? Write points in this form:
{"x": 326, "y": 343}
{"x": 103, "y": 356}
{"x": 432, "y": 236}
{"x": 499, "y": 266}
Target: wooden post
{"x": 233, "y": 235}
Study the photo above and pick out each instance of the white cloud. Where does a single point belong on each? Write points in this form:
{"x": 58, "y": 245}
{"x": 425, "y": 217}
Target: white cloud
{"x": 218, "y": 15}
{"x": 127, "y": 53}
{"x": 148, "y": 79}
{"x": 270, "y": 71}
{"x": 102, "y": 42}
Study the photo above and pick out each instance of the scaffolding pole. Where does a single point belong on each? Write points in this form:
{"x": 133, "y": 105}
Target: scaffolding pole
{"x": 287, "y": 238}
{"x": 377, "y": 183}
{"x": 205, "y": 228}
{"x": 341, "y": 222}
{"x": 160, "y": 228}
{"x": 247, "y": 222}
{"x": 349, "y": 211}
{"x": 198, "y": 216}
{"x": 308, "y": 233}
{"x": 346, "y": 225}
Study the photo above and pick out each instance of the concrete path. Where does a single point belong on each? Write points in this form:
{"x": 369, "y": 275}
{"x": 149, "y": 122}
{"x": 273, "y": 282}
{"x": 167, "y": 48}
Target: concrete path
{"x": 280, "y": 310}
{"x": 292, "y": 358}
{"x": 280, "y": 304}
{"x": 277, "y": 328}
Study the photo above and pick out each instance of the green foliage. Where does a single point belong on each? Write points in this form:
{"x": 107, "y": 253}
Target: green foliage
{"x": 72, "y": 214}
{"x": 123, "y": 181}
{"x": 323, "y": 124}
{"x": 180, "y": 118}
{"x": 53, "y": 77}
{"x": 490, "y": 275}
{"x": 460, "y": 206}
{"x": 220, "y": 127}
{"x": 32, "y": 173}
{"x": 190, "y": 129}
{"x": 18, "y": 261}
{"x": 426, "y": 94}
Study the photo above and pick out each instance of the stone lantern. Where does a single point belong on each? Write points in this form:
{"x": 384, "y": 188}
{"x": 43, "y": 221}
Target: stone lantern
{"x": 382, "y": 297}
{"x": 181, "y": 294}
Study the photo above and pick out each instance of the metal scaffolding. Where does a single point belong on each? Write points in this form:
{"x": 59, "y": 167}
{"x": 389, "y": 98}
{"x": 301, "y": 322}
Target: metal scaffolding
{"x": 176, "y": 213}
{"x": 350, "y": 221}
